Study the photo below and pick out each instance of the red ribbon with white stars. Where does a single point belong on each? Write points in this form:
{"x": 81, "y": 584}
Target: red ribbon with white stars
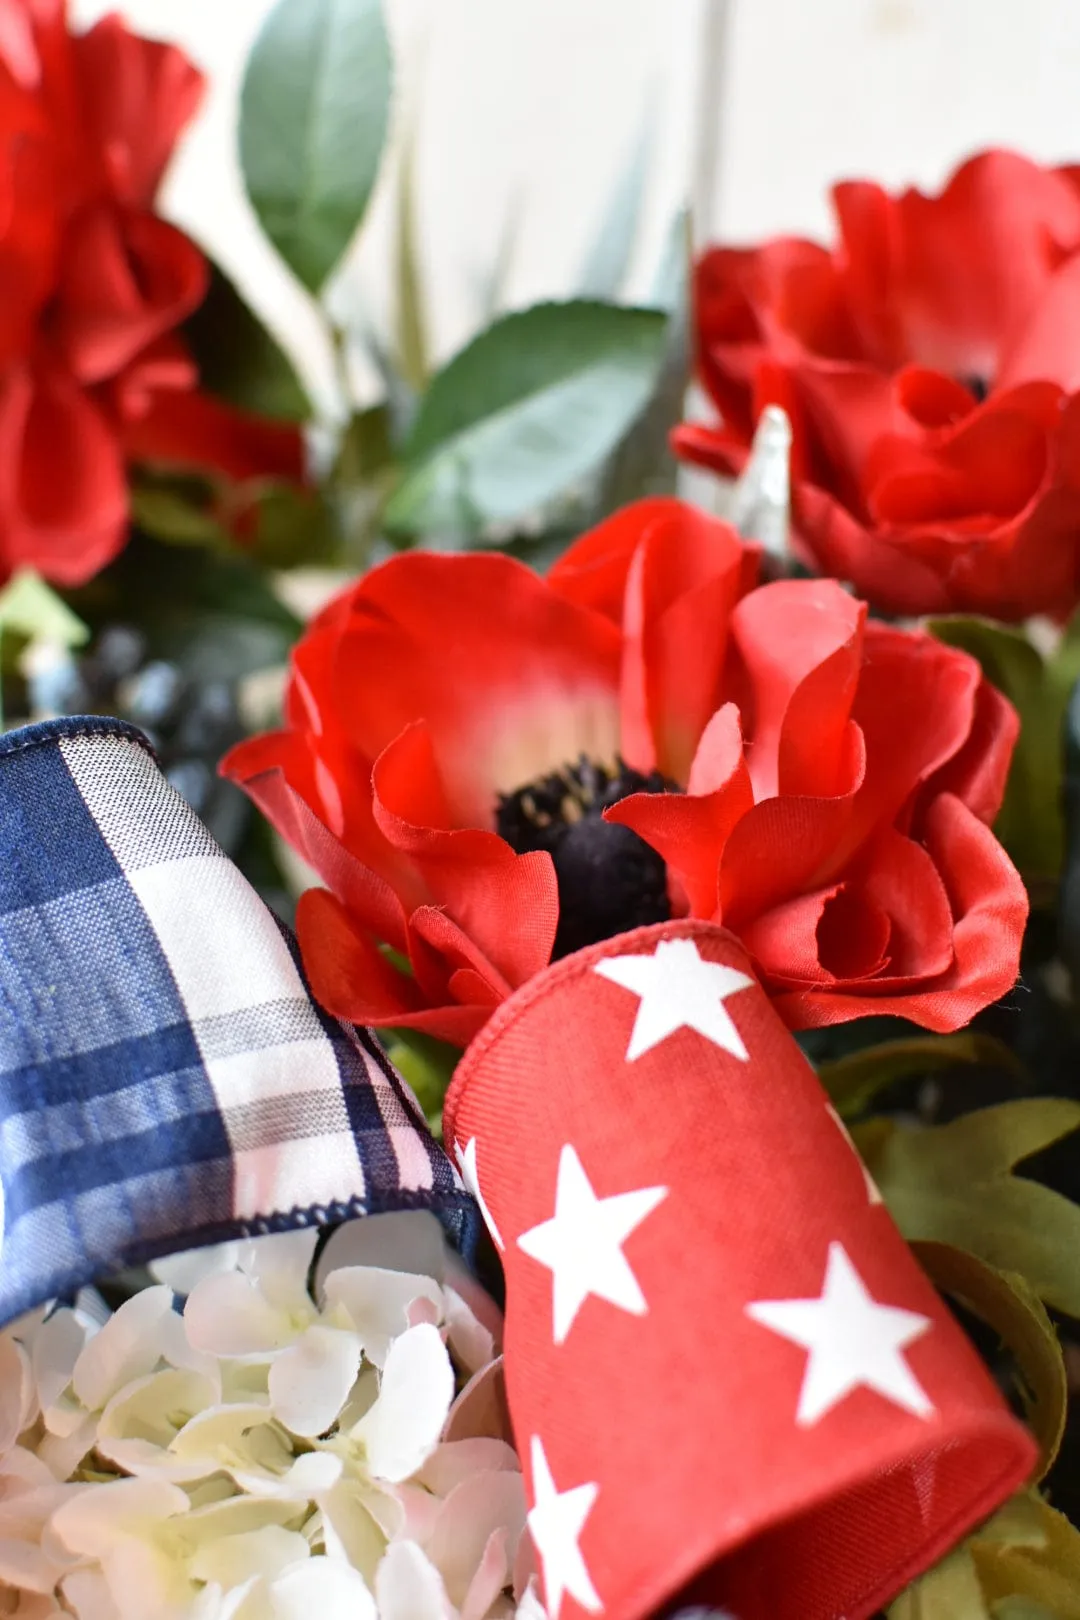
{"x": 730, "y": 1381}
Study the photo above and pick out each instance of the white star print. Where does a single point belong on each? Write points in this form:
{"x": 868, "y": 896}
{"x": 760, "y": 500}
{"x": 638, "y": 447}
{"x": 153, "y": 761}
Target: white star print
{"x": 466, "y": 1158}
{"x": 853, "y": 1342}
{"x": 872, "y": 1190}
{"x": 678, "y": 990}
{"x": 555, "y": 1524}
{"x": 582, "y": 1244}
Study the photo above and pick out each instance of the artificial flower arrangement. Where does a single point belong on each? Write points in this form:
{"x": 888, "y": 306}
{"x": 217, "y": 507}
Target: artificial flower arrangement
{"x": 710, "y": 880}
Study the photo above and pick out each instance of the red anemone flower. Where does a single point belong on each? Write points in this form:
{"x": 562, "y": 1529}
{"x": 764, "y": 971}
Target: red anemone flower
{"x": 487, "y": 768}
{"x": 94, "y": 284}
{"x": 930, "y": 365}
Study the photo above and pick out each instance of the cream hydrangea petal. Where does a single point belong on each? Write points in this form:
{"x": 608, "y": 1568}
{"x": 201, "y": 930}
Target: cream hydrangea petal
{"x": 403, "y": 1427}
{"x": 362, "y": 1397}
{"x": 233, "y": 1561}
{"x": 310, "y": 1381}
{"x": 181, "y": 1272}
{"x": 140, "y": 1423}
{"x": 30, "y": 1606}
{"x": 127, "y": 1347}
{"x": 409, "y": 1587}
{"x": 17, "y": 1396}
{"x": 475, "y": 1295}
{"x": 251, "y": 1446}
{"x": 469, "y": 1517}
{"x": 312, "y": 1474}
{"x": 241, "y": 1516}
{"x": 229, "y": 1315}
{"x": 92, "y": 1522}
{"x": 29, "y": 1496}
{"x": 146, "y": 1578}
{"x": 420, "y": 1509}
{"x": 54, "y": 1350}
{"x": 247, "y": 1439}
{"x": 280, "y": 1265}
{"x": 350, "y": 1532}
{"x": 471, "y": 1342}
{"x": 86, "y": 1593}
{"x": 325, "y": 1588}
{"x": 21, "y": 1470}
{"x": 456, "y": 1460}
{"x": 377, "y": 1303}
{"x": 409, "y": 1240}
{"x": 490, "y": 1578}
{"x": 480, "y": 1409}
{"x": 63, "y": 1453}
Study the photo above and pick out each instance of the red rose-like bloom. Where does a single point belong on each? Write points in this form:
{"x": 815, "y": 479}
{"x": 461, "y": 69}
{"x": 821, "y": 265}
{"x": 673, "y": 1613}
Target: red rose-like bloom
{"x": 486, "y": 768}
{"x": 92, "y": 288}
{"x": 930, "y": 366}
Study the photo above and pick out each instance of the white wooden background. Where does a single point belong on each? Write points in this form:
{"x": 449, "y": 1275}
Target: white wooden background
{"x": 530, "y": 107}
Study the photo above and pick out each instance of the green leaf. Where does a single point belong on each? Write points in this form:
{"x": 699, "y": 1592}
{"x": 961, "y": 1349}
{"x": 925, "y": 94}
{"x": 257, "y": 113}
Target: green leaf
{"x": 642, "y": 463}
{"x": 294, "y": 529}
{"x": 176, "y": 510}
{"x": 950, "y": 1591}
{"x": 364, "y": 474}
{"x": 670, "y": 288}
{"x": 530, "y": 406}
{"x": 608, "y": 255}
{"x": 30, "y": 608}
{"x": 1041, "y": 1566}
{"x": 1031, "y": 823}
{"x": 313, "y": 119}
{"x": 209, "y": 612}
{"x": 953, "y": 1184}
{"x": 239, "y": 360}
{"x": 412, "y": 339}
{"x": 854, "y": 1081}
{"x": 1021, "y": 1608}
{"x": 1007, "y": 1304}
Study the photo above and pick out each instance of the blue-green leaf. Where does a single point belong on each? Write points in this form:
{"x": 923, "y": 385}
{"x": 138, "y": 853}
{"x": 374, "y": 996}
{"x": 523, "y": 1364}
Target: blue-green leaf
{"x": 313, "y": 119}
{"x": 530, "y": 406}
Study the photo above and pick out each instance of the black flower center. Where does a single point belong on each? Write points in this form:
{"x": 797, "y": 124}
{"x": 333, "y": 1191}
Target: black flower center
{"x": 976, "y": 385}
{"x": 609, "y": 878}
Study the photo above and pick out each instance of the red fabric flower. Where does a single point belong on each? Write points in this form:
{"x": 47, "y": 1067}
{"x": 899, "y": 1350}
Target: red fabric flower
{"x": 486, "y": 767}
{"x": 92, "y": 288}
{"x": 931, "y": 366}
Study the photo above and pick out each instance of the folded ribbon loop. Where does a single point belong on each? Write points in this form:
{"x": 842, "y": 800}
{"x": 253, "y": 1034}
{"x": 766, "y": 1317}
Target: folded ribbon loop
{"x": 728, "y": 1377}
{"x": 165, "y": 1077}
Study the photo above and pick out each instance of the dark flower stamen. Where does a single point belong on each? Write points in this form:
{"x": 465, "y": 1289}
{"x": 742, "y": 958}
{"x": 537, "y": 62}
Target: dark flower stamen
{"x": 609, "y": 879}
{"x": 976, "y": 385}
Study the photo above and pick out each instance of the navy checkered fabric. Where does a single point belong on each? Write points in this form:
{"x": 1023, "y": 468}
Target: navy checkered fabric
{"x": 165, "y": 1077}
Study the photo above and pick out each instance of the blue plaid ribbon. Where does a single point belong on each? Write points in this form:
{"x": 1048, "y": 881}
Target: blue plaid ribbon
{"x": 165, "y": 1078}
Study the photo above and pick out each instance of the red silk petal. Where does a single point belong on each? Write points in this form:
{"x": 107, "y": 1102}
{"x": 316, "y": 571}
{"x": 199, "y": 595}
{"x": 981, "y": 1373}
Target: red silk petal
{"x": 512, "y": 680}
{"x": 277, "y": 771}
{"x": 196, "y": 431}
{"x": 832, "y": 934}
{"x": 977, "y": 774}
{"x": 124, "y": 282}
{"x": 63, "y": 495}
{"x": 787, "y": 634}
{"x": 353, "y": 980}
{"x": 593, "y": 571}
{"x": 689, "y": 830}
{"x": 136, "y": 96}
{"x": 691, "y": 575}
{"x": 990, "y": 905}
{"x": 508, "y": 904}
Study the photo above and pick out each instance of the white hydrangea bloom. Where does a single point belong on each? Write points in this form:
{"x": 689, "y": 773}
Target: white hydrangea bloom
{"x": 284, "y": 1442}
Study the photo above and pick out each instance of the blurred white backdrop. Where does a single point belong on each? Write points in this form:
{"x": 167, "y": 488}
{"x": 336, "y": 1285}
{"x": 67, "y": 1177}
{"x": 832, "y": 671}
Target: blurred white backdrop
{"x": 526, "y": 112}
